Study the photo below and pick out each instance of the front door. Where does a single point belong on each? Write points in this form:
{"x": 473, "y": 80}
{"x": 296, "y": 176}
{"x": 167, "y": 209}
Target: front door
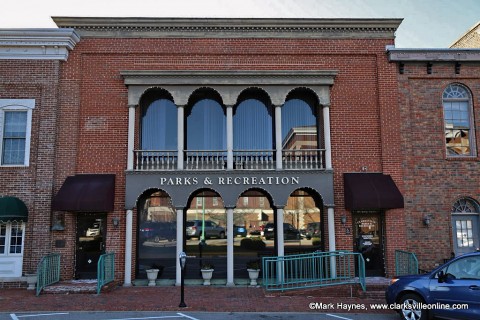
{"x": 465, "y": 233}
{"x": 368, "y": 233}
{"x": 90, "y": 244}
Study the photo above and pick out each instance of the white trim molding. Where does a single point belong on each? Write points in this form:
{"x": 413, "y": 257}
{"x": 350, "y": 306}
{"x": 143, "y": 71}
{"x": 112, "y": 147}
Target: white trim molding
{"x": 37, "y": 44}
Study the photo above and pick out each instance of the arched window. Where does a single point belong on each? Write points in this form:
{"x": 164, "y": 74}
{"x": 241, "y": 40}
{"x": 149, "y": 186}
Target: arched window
{"x": 252, "y": 125}
{"x": 159, "y": 126}
{"x": 299, "y": 126}
{"x": 457, "y": 111}
{"x": 465, "y": 205}
{"x": 206, "y": 126}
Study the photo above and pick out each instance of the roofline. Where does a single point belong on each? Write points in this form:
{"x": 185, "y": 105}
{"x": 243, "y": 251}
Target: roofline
{"x": 465, "y": 34}
{"x": 432, "y": 54}
{"x": 230, "y": 27}
{"x": 37, "y": 44}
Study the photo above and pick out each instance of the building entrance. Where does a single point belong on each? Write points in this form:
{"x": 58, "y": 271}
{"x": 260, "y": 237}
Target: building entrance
{"x": 91, "y": 232}
{"x": 368, "y": 235}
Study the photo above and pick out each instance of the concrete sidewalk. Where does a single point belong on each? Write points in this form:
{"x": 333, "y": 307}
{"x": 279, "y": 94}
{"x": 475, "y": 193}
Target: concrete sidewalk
{"x": 197, "y": 298}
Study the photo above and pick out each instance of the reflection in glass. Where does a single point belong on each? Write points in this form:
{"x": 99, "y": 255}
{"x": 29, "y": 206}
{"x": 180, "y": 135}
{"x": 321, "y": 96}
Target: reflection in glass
{"x": 157, "y": 235}
{"x": 299, "y": 129}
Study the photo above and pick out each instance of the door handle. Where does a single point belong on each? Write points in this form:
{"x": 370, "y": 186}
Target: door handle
{"x": 474, "y": 288}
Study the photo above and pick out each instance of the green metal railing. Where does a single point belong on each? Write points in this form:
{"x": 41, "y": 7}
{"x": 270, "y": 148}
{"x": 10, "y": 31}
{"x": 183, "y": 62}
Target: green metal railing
{"x": 317, "y": 269}
{"x": 405, "y": 263}
{"x": 105, "y": 270}
{"x": 48, "y": 271}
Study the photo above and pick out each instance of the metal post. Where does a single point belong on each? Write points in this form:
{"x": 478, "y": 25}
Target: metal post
{"x": 183, "y": 258}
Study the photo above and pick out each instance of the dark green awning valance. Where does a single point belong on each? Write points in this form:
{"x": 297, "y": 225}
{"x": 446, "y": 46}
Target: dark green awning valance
{"x": 13, "y": 209}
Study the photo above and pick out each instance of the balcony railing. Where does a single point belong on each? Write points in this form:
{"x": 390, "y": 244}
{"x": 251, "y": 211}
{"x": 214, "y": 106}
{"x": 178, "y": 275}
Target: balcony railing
{"x": 206, "y": 159}
{"x": 303, "y": 159}
{"x": 164, "y": 160}
{"x": 254, "y": 159}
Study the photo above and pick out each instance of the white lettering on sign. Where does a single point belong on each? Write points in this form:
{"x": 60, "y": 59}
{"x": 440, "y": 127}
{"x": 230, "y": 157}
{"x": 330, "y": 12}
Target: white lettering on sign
{"x": 192, "y": 181}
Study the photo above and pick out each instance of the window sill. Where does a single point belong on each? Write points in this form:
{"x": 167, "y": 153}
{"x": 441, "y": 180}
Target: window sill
{"x": 463, "y": 158}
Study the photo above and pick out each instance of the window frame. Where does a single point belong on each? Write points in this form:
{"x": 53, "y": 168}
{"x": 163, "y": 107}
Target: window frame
{"x": 471, "y": 121}
{"x": 8, "y": 239}
{"x": 7, "y": 105}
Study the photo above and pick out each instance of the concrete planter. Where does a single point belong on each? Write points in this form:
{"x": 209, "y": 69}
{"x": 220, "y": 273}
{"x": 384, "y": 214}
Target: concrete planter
{"x": 207, "y": 275}
{"x": 152, "y": 275}
{"x": 253, "y": 275}
{"x": 31, "y": 280}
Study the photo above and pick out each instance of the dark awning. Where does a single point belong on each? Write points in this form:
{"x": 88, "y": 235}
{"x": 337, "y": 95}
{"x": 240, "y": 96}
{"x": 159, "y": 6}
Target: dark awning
{"x": 86, "y": 193}
{"x": 371, "y": 191}
{"x": 13, "y": 209}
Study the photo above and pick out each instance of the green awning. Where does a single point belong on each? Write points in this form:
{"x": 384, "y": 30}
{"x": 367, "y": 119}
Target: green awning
{"x": 13, "y": 209}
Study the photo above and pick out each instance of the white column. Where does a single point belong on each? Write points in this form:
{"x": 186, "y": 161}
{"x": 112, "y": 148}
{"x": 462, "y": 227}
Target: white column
{"x": 131, "y": 136}
{"x": 180, "y": 136}
{"x": 229, "y": 137}
{"x": 279, "y": 228}
{"x": 178, "y": 274}
{"x": 278, "y": 137}
{"x": 128, "y": 248}
{"x": 326, "y": 133}
{"x": 331, "y": 240}
{"x": 280, "y": 245}
{"x": 230, "y": 261}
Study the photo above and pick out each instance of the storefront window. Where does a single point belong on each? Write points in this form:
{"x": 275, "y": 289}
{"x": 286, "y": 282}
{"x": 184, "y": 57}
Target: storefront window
{"x": 157, "y": 236}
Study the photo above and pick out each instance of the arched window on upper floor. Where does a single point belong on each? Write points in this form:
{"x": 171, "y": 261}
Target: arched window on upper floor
{"x": 159, "y": 125}
{"x": 299, "y": 126}
{"x": 206, "y": 127}
{"x": 458, "y": 121}
{"x": 253, "y": 126}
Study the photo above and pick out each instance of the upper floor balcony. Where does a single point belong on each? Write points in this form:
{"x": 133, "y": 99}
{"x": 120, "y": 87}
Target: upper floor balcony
{"x": 218, "y": 120}
{"x": 164, "y": 160}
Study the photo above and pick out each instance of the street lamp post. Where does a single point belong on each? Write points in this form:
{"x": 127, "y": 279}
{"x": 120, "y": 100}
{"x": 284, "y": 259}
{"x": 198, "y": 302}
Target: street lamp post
{"x": 182, "y": 257}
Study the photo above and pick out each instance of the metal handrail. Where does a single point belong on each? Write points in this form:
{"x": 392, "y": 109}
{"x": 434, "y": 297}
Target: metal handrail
{"x": 405, "y": 263}
{"x": 105, "y": 270}
{"x": 318, "y": 269}
{"x": 48, "y": 271}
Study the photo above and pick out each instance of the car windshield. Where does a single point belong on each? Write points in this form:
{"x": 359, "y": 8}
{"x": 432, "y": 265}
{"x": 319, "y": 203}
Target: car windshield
{"x": 190, "y": 223}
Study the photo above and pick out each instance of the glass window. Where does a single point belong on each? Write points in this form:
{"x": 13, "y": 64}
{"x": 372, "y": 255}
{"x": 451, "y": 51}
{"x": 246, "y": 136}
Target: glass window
{"x": 467, "y": 268}
{"x": 252, "y": 126}
{"x": 3, "y": 236}
{"x": 11, "y": 238}
{"x": 299, "y": 127}
{"x": 206, "y": 126}
{"x": 159, "y": 126}
{"x": 15, "y": 129}
{"x": 459, "y": 135}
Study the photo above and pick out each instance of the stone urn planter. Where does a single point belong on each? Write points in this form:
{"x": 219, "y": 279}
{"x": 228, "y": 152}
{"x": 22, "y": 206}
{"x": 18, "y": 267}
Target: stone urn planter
{"x": 253, "y": 275}
{"x": 152, "y": 275}
{"x": 253, "y": 268}
{"x": 207, "y": 276}
{"x": 31, "y": 280}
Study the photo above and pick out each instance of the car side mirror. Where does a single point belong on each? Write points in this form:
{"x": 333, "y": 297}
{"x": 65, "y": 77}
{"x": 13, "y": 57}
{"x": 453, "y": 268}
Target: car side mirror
{"x": 441, "y": 276}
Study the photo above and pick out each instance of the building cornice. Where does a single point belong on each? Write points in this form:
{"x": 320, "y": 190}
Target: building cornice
{"x": 432, "y": 55}
{"x": 37, "y": 44}
{"x": 229, "y": 27}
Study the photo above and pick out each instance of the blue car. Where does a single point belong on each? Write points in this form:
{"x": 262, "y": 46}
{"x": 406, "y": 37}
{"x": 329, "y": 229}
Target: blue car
{"x": 451, "y": 291}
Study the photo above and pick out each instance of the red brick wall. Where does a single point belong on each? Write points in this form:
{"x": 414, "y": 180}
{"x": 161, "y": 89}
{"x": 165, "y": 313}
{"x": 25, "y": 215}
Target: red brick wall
{"x": 22, "y": 79}
{"x": 364, "y": 106}
{"x": 432, "y": 182}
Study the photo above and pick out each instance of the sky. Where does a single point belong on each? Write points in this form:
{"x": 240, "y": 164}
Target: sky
{"x": 426, "y": 24}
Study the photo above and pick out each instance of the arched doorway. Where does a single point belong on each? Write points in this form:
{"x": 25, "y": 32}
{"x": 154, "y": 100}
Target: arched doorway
{"x": 303, "y": 223}
{"x": 465, "y": 224}
{"x": 156, "y": 235}
{"x": 205, "y": 234}
{"x": 253, "y": 211}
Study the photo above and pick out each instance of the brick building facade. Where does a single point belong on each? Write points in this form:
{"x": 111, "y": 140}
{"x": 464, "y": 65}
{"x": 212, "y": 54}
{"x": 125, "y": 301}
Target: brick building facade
{"x": 369, "y": 110}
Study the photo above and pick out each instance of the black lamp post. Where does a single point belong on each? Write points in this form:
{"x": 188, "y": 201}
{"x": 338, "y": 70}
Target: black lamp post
{"x": 182, "y": 257}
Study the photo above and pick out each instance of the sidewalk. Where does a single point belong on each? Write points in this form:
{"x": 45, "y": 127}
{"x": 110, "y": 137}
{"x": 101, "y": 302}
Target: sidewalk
{"x": 197, "y": 298}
